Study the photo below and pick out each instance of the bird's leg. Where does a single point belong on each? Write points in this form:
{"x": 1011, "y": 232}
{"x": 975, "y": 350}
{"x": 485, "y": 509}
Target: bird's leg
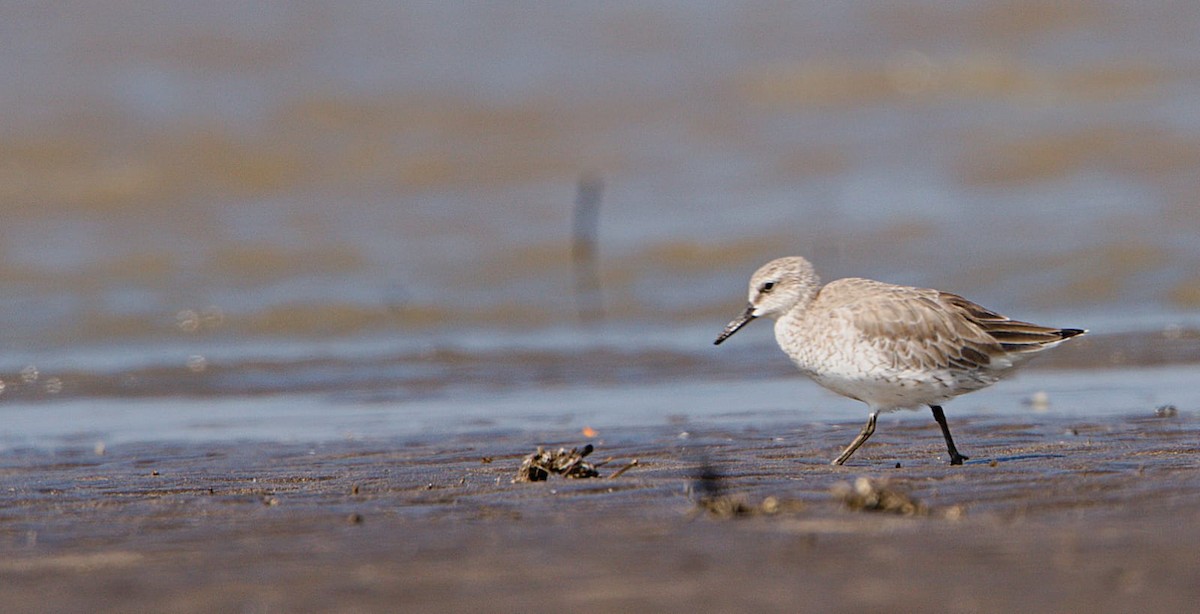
{"x": 955, "y": 457}
{"x": 858, "y": 441}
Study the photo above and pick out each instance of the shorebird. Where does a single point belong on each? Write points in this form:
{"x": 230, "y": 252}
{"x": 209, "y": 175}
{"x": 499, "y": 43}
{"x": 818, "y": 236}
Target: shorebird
{"x": 891, "y": 347}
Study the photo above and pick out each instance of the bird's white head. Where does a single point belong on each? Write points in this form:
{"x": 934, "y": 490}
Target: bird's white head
{"x": 775, "y": 289}
{"x": 780, "y": 285}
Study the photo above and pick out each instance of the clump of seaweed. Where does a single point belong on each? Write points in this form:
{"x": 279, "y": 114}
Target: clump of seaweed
{"x": 877, "y": 496}
{"x": 539, "y": 465}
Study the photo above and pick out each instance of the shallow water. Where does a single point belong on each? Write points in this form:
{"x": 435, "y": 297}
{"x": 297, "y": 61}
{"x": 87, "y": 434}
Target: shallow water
{"x": 230, "y": 220}
{"x": 355, "y": 411}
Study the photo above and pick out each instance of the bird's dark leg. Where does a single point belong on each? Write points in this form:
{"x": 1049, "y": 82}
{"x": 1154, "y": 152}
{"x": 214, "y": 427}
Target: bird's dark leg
{"x": 858, "y": 441}
{"x": 955, "y": 457}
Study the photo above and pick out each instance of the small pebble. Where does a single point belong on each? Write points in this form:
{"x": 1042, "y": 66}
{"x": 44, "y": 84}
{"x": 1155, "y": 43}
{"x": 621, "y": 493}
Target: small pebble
{"x": 770, "y": 505}
{"x": 1166, "y": 411}
{"x": 1040, "y": 401}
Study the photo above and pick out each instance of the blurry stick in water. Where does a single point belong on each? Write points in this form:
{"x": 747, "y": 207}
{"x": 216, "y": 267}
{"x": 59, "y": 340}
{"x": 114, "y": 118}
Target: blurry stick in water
{"x": 583, "y": 248}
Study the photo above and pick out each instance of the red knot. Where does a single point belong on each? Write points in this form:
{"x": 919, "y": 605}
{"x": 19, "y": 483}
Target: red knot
{"x": 891, "y": 347}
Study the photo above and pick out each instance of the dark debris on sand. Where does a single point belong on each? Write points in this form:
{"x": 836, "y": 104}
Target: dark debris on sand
{"x": 732, "y": 506}
{"x": 710, "y": 497}
{"x": 539, "y": 465}
{"x": 877, "y": 496}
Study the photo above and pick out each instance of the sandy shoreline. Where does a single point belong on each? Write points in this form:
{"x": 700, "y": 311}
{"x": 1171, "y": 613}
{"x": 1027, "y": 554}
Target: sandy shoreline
{"x": 1051, "y": 513}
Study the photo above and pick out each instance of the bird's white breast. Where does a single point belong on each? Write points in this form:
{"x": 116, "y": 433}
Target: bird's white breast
{"x": 837, "y": 357}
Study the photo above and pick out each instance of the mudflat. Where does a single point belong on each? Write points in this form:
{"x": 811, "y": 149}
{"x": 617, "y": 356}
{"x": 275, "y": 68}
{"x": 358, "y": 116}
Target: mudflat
{"x": 1050, "y": 513}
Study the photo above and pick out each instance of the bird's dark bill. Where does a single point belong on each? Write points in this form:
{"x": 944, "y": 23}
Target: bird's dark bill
{"x": 736, "y": 324}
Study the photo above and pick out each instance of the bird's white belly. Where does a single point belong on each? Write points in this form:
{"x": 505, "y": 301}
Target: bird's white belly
{"x": 891, "y": 391}
{"x": 860, "y": 373}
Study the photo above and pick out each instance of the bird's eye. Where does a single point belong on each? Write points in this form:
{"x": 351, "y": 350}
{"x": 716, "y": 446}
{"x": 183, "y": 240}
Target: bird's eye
{"x": 767, "y": 287}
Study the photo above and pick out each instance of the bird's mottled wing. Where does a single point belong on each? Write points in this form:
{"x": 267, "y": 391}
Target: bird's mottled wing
{"x": 1013, "y": 336}
{"x": 913, "y": 328}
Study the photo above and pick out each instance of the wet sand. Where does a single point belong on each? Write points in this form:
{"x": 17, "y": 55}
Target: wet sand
{"x": 1050, "y": 514}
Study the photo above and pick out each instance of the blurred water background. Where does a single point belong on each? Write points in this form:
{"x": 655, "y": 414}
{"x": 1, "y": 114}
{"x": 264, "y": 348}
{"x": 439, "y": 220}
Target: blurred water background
{"x": 278, "y": 211}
